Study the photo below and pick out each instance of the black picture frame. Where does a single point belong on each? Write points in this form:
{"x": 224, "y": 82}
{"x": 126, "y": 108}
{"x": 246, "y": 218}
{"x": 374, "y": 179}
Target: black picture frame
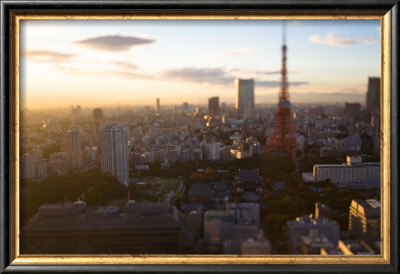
{"x": 183, "y": 6}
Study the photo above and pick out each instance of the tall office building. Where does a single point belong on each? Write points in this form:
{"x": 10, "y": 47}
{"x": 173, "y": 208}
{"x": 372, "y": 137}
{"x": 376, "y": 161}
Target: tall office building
{"x": 244, "y": 98}
{"x": 213, "y": 106}
{"x": 75, "y": 149}
{"x": 352, "y": 111}
{"x": 185, "y": 107}
{"x": 158, "y": 104}
{"x": 114, "y": 152}
{"x": 97, "y": 118}
{"x": 376, "y": 137}
{"x": 373, "y": 102}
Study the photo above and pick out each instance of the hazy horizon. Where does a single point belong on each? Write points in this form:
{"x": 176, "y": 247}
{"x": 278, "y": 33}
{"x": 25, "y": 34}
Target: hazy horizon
{"x": 132, "y": 62}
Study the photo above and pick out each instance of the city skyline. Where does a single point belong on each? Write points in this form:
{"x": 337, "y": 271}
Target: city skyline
{"x": 93, "y": 61}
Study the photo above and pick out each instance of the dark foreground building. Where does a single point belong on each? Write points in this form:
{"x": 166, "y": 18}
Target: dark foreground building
{"x": 248, "y": 180}
{"x": 138, "y": 228}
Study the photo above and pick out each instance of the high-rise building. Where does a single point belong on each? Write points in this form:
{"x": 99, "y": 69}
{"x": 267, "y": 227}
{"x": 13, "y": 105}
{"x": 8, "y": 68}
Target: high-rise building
{"x": 27, "y": 166}
{"x": 244, "y": 98}
{"x": 114, "y": 152}
{"x": 376, "y": 137}
{"x": 213, "y": 106}
{"x": 97, "y": 118}
{"x": 373, "y": 101}
{"x": 284, "y": 141}
{"x": 185, "y": 107}
{"x": 75, "y": 149}
{"x": 158, "y": 104}
{"x": 352, "y": 111}
{"x": 213, "y": 151}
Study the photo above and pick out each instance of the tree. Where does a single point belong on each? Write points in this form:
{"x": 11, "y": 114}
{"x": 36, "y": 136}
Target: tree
{"x": 93, "y": 196}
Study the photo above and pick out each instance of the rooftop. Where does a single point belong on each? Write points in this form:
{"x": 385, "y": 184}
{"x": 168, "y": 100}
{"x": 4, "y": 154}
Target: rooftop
{"x": 369, "y": 207}
{"x": 200, "y": 190}
{"x": 75, "y": 216}
{"x": 248, "y": 175}
{"x": 310, "y": 221}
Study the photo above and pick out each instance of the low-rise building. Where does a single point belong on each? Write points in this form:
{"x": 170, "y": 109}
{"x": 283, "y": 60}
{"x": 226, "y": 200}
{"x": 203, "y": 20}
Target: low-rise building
{"x": 365, "y": 220}
{"x": 301, "y": 226}
{"x": 314, "y": 242}
{"x": 138, "y": 228}
{"x": 248, "y": 181}
{"x": 239, "y": 221}
{"x": 354, "y": 170}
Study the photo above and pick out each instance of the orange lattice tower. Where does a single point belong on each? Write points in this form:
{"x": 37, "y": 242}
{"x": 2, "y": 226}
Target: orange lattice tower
{"x": 283, "y": 141}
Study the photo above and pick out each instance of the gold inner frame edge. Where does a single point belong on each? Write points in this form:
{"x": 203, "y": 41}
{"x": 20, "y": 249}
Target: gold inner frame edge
{"x": 383, "y": 258}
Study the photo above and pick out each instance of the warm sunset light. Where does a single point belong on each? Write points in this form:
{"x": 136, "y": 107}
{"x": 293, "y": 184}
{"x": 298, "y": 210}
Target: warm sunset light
{"x": 200, "y": 137}
{"x": 105, "y": 63}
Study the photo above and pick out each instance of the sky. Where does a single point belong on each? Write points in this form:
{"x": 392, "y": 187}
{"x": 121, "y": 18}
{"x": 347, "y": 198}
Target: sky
{"x": 102, "y": 63}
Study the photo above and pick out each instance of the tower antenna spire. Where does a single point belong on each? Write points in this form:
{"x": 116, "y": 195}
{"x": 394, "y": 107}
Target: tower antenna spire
{"x": 283, "y": 94}
{"x": 284, "y": 33}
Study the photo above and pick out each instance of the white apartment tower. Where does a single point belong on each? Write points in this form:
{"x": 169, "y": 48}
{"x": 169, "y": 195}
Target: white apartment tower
{"x": 213, "y": 151}
{"x": 244, "y": 98}
{"x": 114, "y": 152}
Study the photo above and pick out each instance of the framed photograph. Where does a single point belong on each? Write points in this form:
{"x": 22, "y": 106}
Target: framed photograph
{"x": 224, "y": 136}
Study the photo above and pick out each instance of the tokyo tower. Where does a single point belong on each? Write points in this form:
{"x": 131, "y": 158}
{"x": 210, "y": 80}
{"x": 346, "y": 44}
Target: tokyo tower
{"x": 283, "y": 141}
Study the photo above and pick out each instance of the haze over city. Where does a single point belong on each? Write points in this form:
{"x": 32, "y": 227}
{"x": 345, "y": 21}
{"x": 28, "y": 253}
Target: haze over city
{"x": 105, "y": 63}
{"x": 134, "y": 144}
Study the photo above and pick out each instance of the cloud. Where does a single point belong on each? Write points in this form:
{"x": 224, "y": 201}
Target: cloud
{"x": 314, "y": 97}
{"x": 135, "y": 75}
{"x": 47, "y": 56}
{"x": 273, "y": 84}
{"x": 254, "y": 72}
{"x": 124, "y": 65}
{"x": 113, "y": 42}
{"x": 260, "y": 72}
{"x": 352, "y": 91}
{"x": 341, "y": 41}
{"x": 204, "y": 75}
{"x": 233, "y": 52}
{"x": 216, "y": 76}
